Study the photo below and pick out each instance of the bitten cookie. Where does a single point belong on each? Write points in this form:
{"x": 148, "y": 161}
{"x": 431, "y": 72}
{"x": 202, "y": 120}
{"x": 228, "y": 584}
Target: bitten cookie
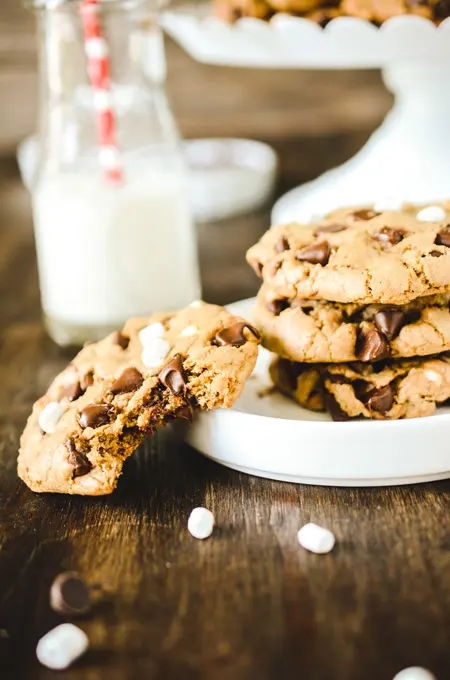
{"x": 386, "y": 391}
{"x": 120, "y": 390}
{"x": 359, "y": 256}
{"x": 318, "y": 331}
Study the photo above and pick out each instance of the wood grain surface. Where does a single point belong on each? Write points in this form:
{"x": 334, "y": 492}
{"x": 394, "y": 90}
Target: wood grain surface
{"x": 248, "y": 604}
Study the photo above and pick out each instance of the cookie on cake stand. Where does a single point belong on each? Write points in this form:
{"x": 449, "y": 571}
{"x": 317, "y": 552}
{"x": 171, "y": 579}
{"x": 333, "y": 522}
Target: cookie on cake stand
{"x": 409, "y": 154}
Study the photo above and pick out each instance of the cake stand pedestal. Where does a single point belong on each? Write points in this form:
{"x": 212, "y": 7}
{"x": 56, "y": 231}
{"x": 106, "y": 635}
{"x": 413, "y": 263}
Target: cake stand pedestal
{"x": 408, "y": 157}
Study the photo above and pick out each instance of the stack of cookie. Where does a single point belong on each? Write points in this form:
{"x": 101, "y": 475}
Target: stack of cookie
{"x": 357, "y": 309}
{"x": 323, "y": 11}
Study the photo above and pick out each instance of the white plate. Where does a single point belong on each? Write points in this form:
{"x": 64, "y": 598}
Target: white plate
{"x": 270, "y": 436}
{"x": 292, "y": 42}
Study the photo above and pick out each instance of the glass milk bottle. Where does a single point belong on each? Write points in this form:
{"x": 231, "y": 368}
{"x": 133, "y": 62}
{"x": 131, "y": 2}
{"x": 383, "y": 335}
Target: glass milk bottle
{"x": 114, "y": 235}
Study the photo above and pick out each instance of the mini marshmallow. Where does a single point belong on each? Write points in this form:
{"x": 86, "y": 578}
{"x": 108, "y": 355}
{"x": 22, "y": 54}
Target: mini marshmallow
{"x": 197, "y": 303}
{"x": 96, "y": 48}
{"x": 433, "y": 376}
{"x": 59, "y": 648}
{"x": 388, "y": 203}
{"x": 155, "y": 352}
{"x": 316, "y": 539}
{"x": 414, "y": 673}
{"x": 189, "y": 330}
{"x": 50, "y": 416}
{"x": 201, "y": 523}
{"x": 434, "y": 213}
{"x": 150, "y": 333}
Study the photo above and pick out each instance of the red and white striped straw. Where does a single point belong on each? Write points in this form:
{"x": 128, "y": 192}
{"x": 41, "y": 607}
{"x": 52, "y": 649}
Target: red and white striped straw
{"x": 99, "y": 67}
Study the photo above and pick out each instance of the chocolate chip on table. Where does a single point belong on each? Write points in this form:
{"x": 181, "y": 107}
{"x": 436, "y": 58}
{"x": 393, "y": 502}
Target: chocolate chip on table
{"x": 282, "y": 244}
{"x": 71, "y": 392}
{"x": 277, "y": 306}
{"x": 443, "y": 238}
{"x": 234, "y": 335}
{"x": 329, "y": 229}
{"x": 173, "y": 375}
{"x": 130, "y": 380}
{"x": 94, "y": 415}
{"x": 70, "y": 595}
{"x": 390, "y": 235}
{"x": 81, "y": 464}
{"x": 119, "y": 339}
{"x": 317, "y": 253}
{"x": 372, "y": 345}
{"x": 380, "y": 400}
{"x": 365, "y": 215}
{"x": 390, "y": 321}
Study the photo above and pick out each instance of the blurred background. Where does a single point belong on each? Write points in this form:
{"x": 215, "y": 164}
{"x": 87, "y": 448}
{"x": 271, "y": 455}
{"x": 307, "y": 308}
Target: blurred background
{"x": 314, "y": 120}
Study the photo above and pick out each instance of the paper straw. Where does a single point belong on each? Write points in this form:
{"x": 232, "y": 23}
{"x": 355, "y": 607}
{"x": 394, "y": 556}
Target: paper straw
{"x": 99, "y": 68}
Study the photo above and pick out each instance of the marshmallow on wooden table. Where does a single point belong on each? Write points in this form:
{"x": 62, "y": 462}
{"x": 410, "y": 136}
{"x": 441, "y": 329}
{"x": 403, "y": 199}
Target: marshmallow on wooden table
{"x": 414, "y": 673}
{"x": 61, "y": 646}
{"x": 316, "y": 539}
{"x": 201, "y": 523}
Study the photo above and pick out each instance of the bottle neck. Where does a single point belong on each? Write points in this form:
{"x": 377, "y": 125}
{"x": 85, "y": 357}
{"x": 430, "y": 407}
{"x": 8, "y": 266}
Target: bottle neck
{"x": 136, "y": 64}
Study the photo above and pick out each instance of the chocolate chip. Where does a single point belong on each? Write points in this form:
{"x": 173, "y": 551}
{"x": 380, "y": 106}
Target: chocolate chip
{"x": 277, "y": 306}
{"x": 186, "y": 413}
{"x": 257, "y": 268}
{"x": 318, "y": 253}
{"x": 94, "y": 415}
{"x": 329, "y": 229}
{"x": 372, "y": 345}
{"x": 282, "y": 245}
{"x": 390, "y": 321}
{"x": 71, "y": 392}
{"x": 130, "y": 380}
{"x": 436, "y": 253}
{"x": 121, "y": 340}
{"x": 390, "y": 235}
{"x": 87, "y": 381}
{"x": 234, "y": 335}
{"x": 334, "y": 409}
{"x": 173, "y": 376}
{"x": 379, "y": 400}
{"x": 443, "y": 238}
{"x": 69, "y": 594}
{"x": 365, "y": 215}
{"x": 441, "y": 10}
{"x": 81, "y": 464}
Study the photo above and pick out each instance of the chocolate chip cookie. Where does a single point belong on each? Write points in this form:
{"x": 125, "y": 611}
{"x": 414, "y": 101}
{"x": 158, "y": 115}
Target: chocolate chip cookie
{"x": 379, "y": 11}
{"x": 359, "y": 256}
{"x": 120, "y": 390}
{"x": 317, "y": 331}
{"x": 384, "y": 391}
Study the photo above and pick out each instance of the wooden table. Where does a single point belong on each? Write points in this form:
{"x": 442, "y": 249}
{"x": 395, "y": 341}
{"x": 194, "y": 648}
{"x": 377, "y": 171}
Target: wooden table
{"x": 248, "y": 604}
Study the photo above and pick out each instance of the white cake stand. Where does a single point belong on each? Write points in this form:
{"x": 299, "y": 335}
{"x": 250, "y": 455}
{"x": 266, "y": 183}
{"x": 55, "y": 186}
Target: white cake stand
{"x": 408, "y": 157}
{"x": 268, "y": 435}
